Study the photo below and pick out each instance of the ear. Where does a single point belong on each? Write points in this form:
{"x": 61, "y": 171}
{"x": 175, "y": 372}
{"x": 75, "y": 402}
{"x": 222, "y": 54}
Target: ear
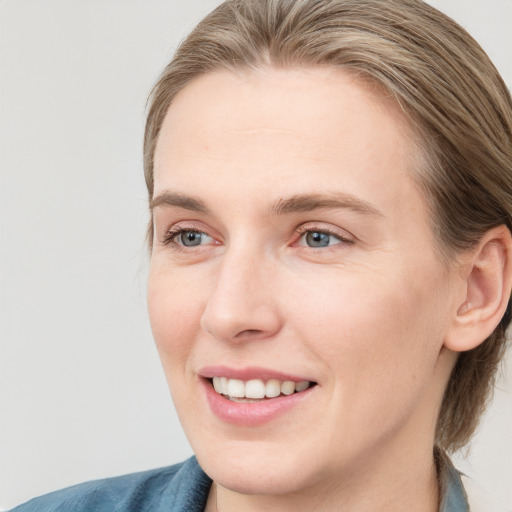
{"x": 487, "y": 275}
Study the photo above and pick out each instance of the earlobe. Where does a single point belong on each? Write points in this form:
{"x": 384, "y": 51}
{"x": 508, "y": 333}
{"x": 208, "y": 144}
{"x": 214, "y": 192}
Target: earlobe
{"x": 488, "y": 282}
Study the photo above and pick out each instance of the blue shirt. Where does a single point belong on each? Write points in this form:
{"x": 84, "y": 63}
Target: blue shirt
{"x": 180, "y": 488}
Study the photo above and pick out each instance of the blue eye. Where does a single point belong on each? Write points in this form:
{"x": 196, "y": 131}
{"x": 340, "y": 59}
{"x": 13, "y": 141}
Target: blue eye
{"x": 318, "y": 239}
{"x": 188, "y": 238}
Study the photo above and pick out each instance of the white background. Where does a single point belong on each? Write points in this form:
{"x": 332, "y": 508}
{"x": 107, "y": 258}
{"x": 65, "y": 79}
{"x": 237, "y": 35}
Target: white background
{"x": 82, "y": 394}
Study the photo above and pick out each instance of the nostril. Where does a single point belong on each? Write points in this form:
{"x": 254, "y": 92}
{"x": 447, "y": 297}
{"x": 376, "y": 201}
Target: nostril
{"x": 248, "y": 333}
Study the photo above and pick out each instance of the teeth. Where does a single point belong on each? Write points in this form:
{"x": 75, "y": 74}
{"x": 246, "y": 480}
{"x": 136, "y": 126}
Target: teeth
{"x": 288, "y": 387}
{"x": 301, "y": 386}
{"x": 217, "y": 385}
{"x": 257, "y": 389}
{"x": 236, "y": 388}
{"x": 223, "y": 385}
{"x": 272, "y": 388}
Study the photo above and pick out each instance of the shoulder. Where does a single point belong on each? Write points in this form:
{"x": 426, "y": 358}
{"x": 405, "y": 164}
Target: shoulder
{"x": 175, "y": 488}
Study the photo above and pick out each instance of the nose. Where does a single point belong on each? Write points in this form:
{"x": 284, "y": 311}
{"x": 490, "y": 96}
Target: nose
{"x": 243, "y": 302}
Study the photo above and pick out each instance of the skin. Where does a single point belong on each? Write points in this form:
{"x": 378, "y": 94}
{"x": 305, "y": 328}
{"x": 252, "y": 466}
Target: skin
{"x": 365, "y": 317}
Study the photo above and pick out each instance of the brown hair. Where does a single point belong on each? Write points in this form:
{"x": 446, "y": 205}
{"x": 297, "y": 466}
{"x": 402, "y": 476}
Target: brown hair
{"x": 447, "y": 86}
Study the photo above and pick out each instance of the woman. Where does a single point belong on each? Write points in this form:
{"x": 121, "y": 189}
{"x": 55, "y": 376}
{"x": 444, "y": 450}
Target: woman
{"x": 330, "y": 195}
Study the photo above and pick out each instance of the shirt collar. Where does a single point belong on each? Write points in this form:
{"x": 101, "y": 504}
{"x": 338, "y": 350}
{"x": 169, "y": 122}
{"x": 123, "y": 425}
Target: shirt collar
{"x": 453, "y": 495}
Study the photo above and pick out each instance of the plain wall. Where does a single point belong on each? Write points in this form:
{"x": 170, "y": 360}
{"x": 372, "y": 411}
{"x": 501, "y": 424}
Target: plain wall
{"x": 82, "y": 394}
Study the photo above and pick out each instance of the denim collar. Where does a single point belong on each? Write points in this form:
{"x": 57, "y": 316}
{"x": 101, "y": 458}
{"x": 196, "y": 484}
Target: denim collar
{"x": 453, "y": 495}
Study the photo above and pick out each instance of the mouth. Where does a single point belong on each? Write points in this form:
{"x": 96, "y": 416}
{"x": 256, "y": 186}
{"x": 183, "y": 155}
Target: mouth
{"x": 257, "y": 390}
{"x": 254, "y": 396}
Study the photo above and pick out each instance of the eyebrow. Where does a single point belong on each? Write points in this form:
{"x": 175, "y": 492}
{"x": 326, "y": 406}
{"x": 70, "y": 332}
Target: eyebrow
{"x": 310, "y": 202}
{"x": 179, "y": 201}
{"x": 294, "y": 204}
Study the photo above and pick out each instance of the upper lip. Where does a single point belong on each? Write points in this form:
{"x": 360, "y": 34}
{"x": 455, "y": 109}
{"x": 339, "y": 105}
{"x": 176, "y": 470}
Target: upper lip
{"x": 249, "y": 373}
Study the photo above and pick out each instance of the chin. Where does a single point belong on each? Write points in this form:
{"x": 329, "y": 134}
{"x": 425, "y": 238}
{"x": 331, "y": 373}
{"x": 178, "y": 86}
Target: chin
{"x": 259, "y": 468}
{"x": 259, "y": 479}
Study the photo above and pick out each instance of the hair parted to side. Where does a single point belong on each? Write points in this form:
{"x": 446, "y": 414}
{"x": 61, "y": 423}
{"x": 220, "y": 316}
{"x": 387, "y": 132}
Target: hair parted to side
{"x": 445, "y": 83}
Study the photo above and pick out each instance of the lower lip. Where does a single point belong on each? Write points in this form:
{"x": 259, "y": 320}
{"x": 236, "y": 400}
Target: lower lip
{"x": 254, "y": 413}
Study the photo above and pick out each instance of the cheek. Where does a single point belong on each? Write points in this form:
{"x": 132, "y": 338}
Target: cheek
{"x": 174, "y": 313}
{"x": 379, "y": 337}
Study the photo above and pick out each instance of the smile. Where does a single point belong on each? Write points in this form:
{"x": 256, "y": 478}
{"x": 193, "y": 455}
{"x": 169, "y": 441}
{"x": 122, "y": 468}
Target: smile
{"x": 255, "y": 390}
{"x": 254, "y": 396}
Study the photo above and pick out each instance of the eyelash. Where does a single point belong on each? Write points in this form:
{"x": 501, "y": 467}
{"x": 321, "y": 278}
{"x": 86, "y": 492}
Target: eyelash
{"x": 304, "y": 230}
{"x": 175, "y": 231}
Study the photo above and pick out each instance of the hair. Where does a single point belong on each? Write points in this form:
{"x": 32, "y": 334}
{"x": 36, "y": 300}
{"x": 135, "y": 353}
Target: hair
{"x": 451, "y": 93}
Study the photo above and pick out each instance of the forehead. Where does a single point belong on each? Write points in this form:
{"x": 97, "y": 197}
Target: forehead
{"x": 281, "y": 98}
{"x": 314, "y": 128}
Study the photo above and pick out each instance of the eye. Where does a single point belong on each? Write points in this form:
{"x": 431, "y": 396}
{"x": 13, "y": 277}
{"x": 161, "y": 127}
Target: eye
{"x": 187, "y": 238}
{"x": 320, "y": 238}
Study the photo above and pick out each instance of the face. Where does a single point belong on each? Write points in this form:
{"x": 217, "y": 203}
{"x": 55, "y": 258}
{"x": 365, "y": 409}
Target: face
{"x": 292, "y": 256}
